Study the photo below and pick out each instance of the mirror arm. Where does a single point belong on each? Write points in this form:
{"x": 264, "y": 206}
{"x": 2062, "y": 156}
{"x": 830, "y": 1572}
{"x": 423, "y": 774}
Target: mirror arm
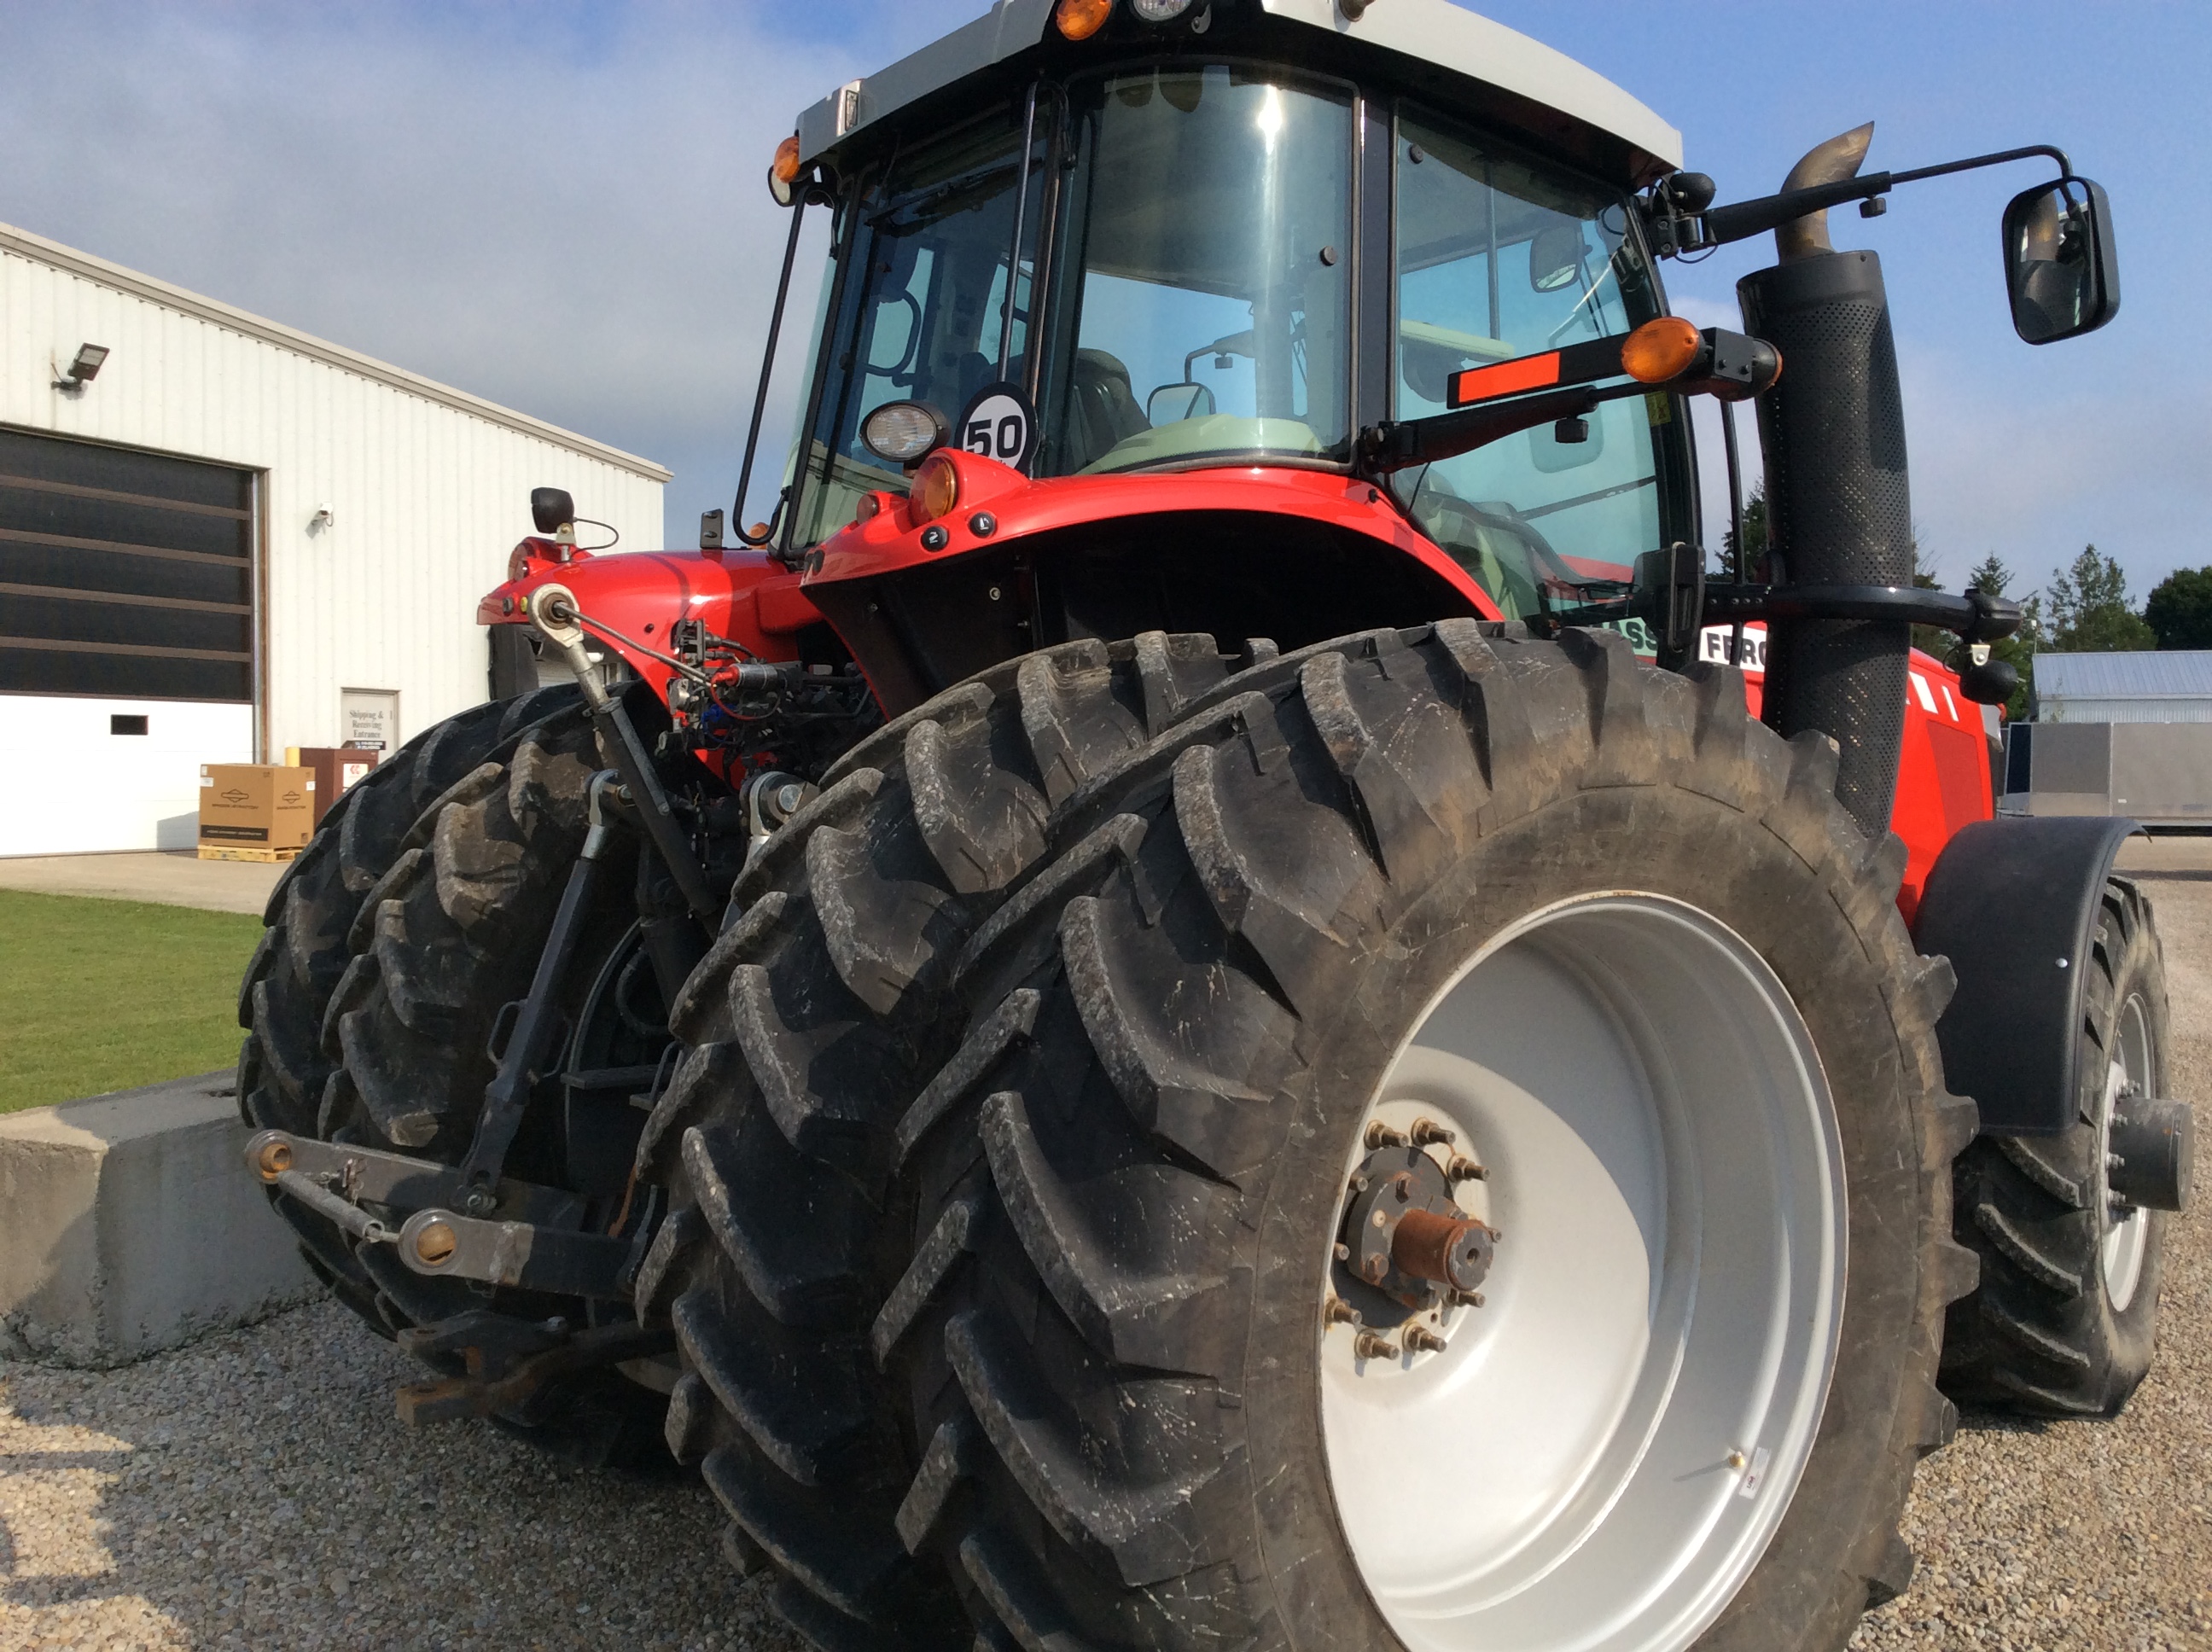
{"x": 1401, "y": 444}
{"x": 1718, "y": 226}
{"x": 798, "y": 211}
{"x": 1974, "y": 615}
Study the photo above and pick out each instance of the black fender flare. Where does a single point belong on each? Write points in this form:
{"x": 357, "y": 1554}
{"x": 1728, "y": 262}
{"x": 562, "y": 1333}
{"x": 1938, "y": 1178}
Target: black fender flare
{"x": 2012, "y": 904}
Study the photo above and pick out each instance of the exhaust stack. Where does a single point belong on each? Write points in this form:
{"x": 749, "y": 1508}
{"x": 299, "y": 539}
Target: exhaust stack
{"x": 1838, "y": 504}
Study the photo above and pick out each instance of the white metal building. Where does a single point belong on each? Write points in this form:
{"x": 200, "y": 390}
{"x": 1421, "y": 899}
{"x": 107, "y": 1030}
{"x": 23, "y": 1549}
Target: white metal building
{"x": 229, "y": 538}
{"x": 2143, "y": 686}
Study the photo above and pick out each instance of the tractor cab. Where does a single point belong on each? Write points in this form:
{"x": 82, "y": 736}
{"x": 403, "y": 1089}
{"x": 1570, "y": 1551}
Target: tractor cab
{"x": 1223, "y": 240}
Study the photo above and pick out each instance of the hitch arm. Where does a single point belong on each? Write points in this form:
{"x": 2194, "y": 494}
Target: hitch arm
{"x": 553, "y": 609}
{"x": 538, "y": 1023}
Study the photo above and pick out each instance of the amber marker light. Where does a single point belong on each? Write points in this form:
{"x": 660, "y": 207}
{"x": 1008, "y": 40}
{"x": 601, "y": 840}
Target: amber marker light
{"x": 1080, "y": 20}
{"x": 936, "y": 490}
{"x": 1660, "y": 351}
{"x": 783, "y": 171}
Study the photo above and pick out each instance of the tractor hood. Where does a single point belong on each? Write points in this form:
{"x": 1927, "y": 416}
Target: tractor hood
{"x": 1430, "y": 45}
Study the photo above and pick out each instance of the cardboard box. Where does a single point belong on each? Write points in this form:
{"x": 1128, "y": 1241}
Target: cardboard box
{"x": 257, "y": 808}
{"x": 335, "y": 768}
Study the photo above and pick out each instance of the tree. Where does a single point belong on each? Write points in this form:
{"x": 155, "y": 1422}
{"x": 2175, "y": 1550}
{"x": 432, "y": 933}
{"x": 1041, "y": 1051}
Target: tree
{"x": 2018, "y": 650}
{"x": 1754, "y": 535}
{"x": 1930, "y": 640}
{"x": 2180, "y": 609}
{"x": 2089, "y": 611}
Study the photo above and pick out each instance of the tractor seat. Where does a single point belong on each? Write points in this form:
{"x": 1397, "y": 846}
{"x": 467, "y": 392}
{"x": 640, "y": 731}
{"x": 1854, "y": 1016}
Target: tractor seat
{"x": 1103, "y": 408}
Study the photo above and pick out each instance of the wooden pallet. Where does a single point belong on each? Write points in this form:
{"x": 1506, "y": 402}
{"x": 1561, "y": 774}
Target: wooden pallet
{"x": 267, "y": 857}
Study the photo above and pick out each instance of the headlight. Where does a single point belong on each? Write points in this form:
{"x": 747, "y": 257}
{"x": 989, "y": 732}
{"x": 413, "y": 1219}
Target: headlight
{"x": 936, "y": 490}
{"x": 1159, "y": 12}
{"x": 902, "y": 432}
{"x": 1080, "y": 20}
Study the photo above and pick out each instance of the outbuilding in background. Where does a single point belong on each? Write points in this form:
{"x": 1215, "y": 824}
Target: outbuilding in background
{"x": 220, "y": 537}
{"x": 2124, "y": 733}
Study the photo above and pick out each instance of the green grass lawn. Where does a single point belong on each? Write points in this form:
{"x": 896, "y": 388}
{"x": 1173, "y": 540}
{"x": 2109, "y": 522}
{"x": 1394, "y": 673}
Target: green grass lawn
{"x": 102, "y": 995}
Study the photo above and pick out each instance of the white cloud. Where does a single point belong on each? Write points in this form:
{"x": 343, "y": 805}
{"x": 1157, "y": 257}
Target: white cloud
{"x": 563, "y": 212}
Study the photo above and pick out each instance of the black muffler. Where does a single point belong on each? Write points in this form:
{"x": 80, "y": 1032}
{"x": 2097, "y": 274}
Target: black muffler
{"x": 1838, "y": 504}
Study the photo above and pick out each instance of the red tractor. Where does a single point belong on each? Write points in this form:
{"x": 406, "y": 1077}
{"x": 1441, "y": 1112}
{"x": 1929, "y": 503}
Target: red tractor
{"x": 1188, "y": 1004}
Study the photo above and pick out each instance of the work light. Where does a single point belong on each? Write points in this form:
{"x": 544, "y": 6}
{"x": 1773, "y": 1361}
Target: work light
{"x": 902, "y": 432}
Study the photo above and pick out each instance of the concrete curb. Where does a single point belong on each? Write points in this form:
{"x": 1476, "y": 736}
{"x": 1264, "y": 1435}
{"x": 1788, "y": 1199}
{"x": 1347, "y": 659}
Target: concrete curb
{"x": 129, "y": 1225}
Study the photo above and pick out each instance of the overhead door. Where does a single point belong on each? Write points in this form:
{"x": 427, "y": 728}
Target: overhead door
{"x": 123, "y": 574}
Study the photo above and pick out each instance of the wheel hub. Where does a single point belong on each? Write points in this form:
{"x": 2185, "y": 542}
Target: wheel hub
{"x": 1404, "y": 1247}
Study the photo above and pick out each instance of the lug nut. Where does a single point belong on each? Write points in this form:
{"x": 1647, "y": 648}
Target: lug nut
{"x": 435, "y": 1244}
{"x": 1419, "y": 1340}
{"x": 1337, "y": 1311}
{"x": 1427, "y": 1132}
{"x": 1344, "y": 1253}
{"x": 1464, "y": 1169}
{"x": 1368, "y": 1346}
{"x": 1379, "y": 1135}
{"x": 274, "y": 1159}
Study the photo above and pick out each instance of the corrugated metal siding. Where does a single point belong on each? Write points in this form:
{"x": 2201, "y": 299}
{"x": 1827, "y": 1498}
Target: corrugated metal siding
{"x": 2052, "y": 709}
{"x": 2128, "y": 674}
{"x": 428, "y": 497}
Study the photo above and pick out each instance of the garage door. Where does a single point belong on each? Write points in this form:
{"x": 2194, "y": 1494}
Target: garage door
{"x": 123, "y": 574}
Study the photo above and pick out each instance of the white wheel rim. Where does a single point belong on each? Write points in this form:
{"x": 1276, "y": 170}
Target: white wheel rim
{"x": 2127, "y": 1231}
{"x": 1604, "y": 1447}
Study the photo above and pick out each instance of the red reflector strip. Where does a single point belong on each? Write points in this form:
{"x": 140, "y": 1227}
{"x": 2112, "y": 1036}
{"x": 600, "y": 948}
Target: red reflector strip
{"x": 1480, "y": 384}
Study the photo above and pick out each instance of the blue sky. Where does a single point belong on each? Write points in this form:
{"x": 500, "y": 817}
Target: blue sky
{"x": 559, "y": 206}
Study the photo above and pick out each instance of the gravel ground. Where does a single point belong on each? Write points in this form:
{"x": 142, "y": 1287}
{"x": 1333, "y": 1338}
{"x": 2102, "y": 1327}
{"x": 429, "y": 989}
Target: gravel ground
{"x": 255, "y": 1490}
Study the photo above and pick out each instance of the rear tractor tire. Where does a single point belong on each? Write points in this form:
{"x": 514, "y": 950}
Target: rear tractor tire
{"x": 808, "y": 1029}
{"x": 2065, "y": 1322}
{"x": 1428, "y": 954}
{"x": 415, "y": 914}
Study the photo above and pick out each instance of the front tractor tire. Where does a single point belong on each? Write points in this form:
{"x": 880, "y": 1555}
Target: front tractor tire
{"x": 415, "y": 914}
{"x": 2065, "y": 1322}
{"x": 1574, "y": 941}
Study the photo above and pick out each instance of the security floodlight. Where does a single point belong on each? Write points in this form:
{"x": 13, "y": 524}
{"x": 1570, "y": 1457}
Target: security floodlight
{"x": 84, "y": 368}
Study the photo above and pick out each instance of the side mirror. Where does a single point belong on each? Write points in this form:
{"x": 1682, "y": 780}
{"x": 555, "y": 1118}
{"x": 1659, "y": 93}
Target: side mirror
{"x": 1555, "y": 256}
{"x": 551, "y": 509}
{"x": 1172, "y": 404}
{"x": 2060, "y": 269}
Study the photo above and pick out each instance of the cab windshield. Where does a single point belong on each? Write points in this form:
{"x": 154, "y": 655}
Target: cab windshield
{"x": 923, "y": 312}
{"x": 1203, "y": 302}
{"x": 1183, "y": 296}
{"x": 1500, "y": 257}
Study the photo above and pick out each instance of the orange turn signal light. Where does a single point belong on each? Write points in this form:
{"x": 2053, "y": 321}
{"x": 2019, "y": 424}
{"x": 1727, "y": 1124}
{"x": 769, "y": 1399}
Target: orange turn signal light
{"x": 1660, "y": 351}
{"x": 936, "y": 490}
{"x": 783, "y": 171}
{"x": 1080, "y": 20}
